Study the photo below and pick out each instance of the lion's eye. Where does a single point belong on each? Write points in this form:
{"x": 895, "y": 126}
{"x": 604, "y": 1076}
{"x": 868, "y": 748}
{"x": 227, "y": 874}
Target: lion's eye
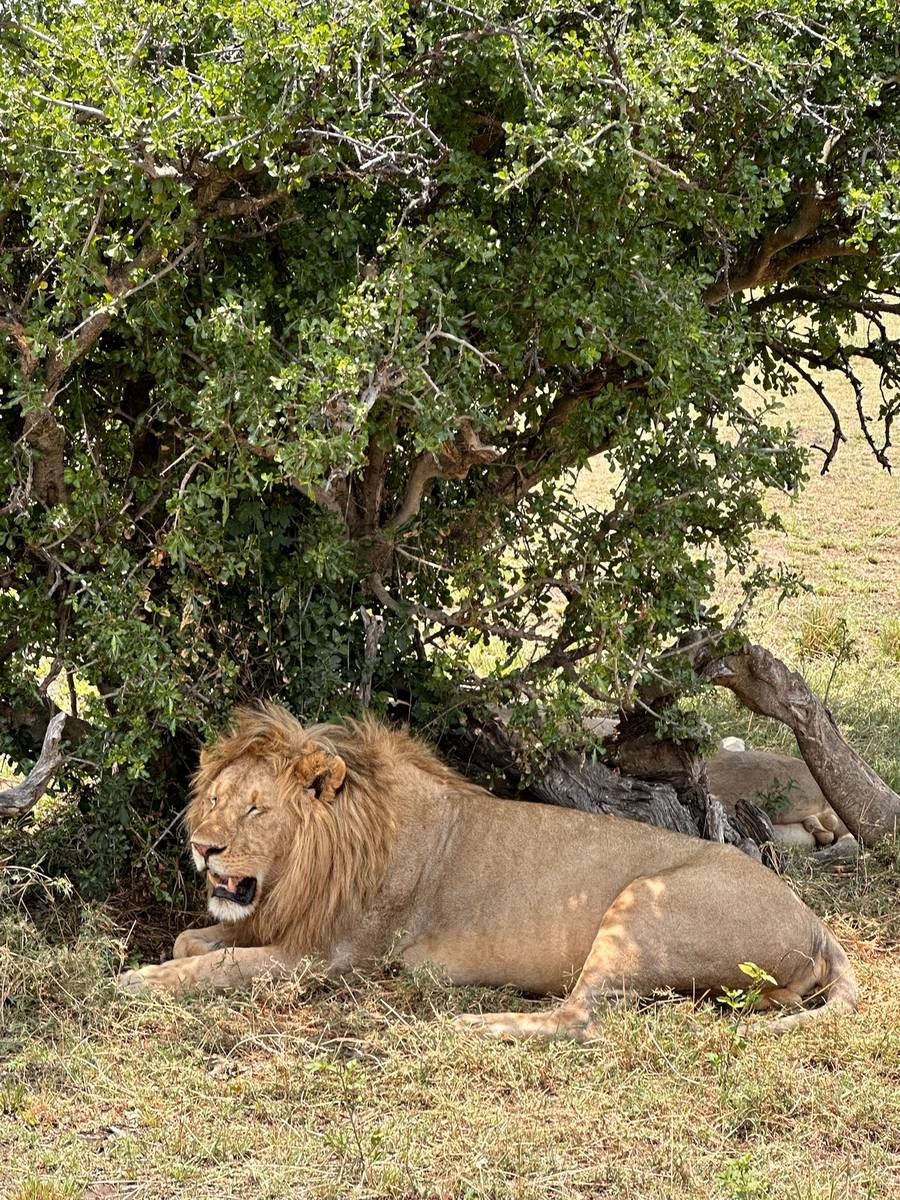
{"x": 213, "y": 801}
{"x": 252, "y": 809}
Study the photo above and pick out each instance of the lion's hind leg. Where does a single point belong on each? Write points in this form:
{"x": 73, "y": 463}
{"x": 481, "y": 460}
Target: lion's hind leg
{"x": 607, "y": 976}
{"x": 564, "y": 1021}
{"x": 683, "y": 930}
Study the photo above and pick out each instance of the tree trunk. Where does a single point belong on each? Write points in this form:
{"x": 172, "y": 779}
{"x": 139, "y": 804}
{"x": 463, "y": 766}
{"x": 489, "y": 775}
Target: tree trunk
{"x": 865, "y": 803}
{"x": 675, "y": 797}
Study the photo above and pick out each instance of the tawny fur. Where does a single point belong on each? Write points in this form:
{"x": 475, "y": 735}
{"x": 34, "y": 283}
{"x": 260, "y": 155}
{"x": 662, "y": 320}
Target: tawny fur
{"x": 341, "y": 846}
{"x": 755, "y": 774}
{"x": 364, "y": 843}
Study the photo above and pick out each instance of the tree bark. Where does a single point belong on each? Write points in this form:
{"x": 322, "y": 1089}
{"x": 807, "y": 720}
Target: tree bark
{"x": 571, "y": 782}
{"x": 675, "y": 798}
{"x": 23, "y": 796}
{"x": 863, "y": 801}
{"x": 29, "y": 727}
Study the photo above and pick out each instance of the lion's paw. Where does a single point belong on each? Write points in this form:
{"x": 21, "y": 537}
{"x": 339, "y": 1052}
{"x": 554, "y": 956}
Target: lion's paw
{"x": 469, "y": 1021}
{"x": 191, "y": 944}
{"x": 560, "y": 1022}
{"x": 132, "y": 982}
{"x": 146, "y": 979}
{"x": 502, "y": 1026}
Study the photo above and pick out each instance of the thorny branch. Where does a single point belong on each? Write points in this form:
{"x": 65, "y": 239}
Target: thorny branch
{"x": 803, "y": 358}
{"x": 463, "y": 619}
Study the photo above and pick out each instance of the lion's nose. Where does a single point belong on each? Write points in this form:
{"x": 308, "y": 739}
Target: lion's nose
{"x": 205, "y": 850}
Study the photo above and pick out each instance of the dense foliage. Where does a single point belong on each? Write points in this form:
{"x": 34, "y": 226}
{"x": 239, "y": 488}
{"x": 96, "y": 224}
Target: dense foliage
{"x": 311, "y": 313}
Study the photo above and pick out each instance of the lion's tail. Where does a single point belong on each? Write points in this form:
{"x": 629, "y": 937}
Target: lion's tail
{"x": 838, "y": 986}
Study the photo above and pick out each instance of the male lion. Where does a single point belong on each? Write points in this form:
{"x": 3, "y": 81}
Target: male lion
{"x": 346, "y": 842}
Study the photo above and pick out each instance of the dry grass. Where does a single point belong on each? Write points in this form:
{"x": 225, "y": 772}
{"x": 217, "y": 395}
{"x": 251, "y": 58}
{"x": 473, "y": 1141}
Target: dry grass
{"x": 320, "y": 1090}
{"x": 843, "y": 534}
{"x": 366, "y": 1090}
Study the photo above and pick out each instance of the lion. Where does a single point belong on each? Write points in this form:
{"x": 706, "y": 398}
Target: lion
{"x": 349, "y": 843}
{"x": 803, "y": 817}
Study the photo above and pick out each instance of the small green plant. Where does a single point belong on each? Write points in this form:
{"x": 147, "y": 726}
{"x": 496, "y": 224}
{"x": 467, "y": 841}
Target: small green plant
{"x": 740, "y": 1181}
{"x": 12, "y": 1099}
{"x": 740, "y": 1002}
{"x": 776, "y": 798}
{"x": 361, "y": 1146}
{"x": 35, "y": 1188}
{"x": 825, "y": 634}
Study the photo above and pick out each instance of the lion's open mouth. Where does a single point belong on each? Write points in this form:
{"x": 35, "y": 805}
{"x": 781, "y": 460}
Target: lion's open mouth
{"x": 239, "y": 890}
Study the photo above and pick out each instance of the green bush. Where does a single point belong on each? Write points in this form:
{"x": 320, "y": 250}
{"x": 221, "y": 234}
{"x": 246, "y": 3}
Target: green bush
{"x": 312, "y": 313}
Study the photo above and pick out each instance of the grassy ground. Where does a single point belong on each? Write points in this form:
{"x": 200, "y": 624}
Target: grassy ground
{"x": 364, "y": 1090}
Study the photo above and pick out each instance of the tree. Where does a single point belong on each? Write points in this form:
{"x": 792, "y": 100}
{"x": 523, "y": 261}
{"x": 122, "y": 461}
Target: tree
{"x": 313, "y": 313}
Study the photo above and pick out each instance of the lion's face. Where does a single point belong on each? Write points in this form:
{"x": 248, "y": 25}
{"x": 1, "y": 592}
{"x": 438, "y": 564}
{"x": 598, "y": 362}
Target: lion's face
{"x": 240, "y": 834}
{"x": 244, "y": 818}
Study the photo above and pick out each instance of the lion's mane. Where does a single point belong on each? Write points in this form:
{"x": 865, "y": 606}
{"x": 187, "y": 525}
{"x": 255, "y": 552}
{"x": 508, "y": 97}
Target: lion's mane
{"x": 341, "y": 848}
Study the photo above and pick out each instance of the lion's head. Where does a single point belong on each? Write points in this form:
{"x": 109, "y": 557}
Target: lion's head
{"x": 289, "y": 834}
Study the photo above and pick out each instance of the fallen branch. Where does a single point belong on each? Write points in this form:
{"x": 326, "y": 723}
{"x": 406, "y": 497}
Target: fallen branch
{"x": 24, "y": 796}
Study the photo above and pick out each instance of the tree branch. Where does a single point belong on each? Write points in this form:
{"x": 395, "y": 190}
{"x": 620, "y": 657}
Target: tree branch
{"x": 837, "y": 433}
{"x": 840, "y": 360}
{"x": 759, "y": 268}
{"x": 457, "y": 620}
{"x": 810, "y": 295}
{"x": 863, "y": 801}
{"x": 453, "y": 461}
{"x": 22, "y": 797}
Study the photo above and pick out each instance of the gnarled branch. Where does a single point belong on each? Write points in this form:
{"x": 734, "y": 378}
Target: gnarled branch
{"x": 22, "y": 797}
{"x": 454, "y": 460}
{"x": 863, "y": 801}
{"x": 798, "y": 241}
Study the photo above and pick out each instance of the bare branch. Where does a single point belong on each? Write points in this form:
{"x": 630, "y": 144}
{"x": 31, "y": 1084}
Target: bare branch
{"x": 86, "y": 110}
{"x": 244, "y": 206}
{"x": 840, "y": 360}
{"x": 867, "y": 307}
{"x": 837, "y": 434}
{"x": 857, "y": 386}
{"x": 458, "y": 620}
{"x": 452, "y": 461}
{"x": 22, "y": 797}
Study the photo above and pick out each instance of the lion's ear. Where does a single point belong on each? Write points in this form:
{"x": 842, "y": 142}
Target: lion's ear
{"x": 322, "y": 774}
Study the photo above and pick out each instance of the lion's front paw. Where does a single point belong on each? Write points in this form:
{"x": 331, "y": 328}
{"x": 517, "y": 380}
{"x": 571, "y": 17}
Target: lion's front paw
{"x": 132, "y": 982}
{"x": 166, "y": 977}
{"x": 469, "y": 1021}
{"x": 191, "y": 944}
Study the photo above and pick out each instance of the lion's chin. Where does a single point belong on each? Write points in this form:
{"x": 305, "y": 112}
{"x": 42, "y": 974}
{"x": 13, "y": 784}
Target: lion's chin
{"x": 229, "y": 910}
